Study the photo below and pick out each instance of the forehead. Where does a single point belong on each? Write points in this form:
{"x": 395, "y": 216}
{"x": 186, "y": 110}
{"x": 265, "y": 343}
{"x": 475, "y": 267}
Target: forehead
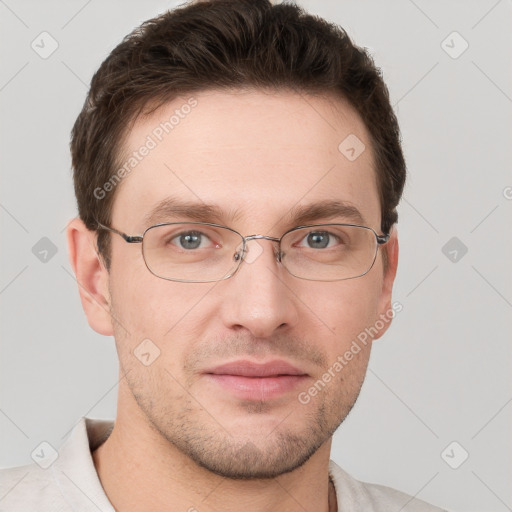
{"x": 256, "y": 155}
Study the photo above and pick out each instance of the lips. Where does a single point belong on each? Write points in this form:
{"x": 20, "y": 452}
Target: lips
{"x": 251, "y": 381}
{"x": 246, "y": 368}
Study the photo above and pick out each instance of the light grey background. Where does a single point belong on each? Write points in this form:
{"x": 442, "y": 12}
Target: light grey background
{"x": 442, "y": 371}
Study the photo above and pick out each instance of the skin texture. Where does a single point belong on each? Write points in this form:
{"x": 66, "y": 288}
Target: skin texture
{"x": 180, "y": 440}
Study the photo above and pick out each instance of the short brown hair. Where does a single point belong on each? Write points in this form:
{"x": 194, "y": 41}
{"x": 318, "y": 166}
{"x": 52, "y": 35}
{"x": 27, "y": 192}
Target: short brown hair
{"x": 227, "y": 44}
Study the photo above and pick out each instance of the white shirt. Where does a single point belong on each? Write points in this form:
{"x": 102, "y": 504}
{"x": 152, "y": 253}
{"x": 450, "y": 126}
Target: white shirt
{"x": 71, "y": 483}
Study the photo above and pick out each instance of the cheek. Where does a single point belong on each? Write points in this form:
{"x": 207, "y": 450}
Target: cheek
{"x": 349, "y": 312}
{"x": 347, "y": 307}
{"x": 149, "y": 308}
{"x": 144, "y": 302}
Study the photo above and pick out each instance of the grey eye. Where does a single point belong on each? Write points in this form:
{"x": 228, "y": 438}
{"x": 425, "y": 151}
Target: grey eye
{"x": 318, "y": 239}
{"x": 189, "y": 240}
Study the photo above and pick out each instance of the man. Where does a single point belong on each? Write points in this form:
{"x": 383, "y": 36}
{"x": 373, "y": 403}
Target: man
{"x": 237, "y": 168}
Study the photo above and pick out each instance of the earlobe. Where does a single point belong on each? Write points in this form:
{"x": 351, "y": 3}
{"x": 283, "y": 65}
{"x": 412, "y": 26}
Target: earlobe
{"x": 385, "y": 308}
{"x": 91, "y": 275}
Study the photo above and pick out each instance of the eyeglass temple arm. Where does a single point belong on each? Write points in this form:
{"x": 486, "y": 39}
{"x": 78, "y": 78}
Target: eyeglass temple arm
{"x": 128, "y": 238}
{"x": 382, "y": 239}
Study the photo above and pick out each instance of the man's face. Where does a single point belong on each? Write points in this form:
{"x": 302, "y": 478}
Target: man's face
{"x": 260, "y": 155}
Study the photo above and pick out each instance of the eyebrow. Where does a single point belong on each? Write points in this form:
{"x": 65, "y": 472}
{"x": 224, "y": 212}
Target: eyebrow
{"x": 172, "y": 207}
{"x": 323, "y": 210}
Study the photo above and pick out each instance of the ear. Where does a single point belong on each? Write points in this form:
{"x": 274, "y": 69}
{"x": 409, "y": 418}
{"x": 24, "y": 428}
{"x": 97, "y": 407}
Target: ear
{"x": 91, "y": 275}
{"x": 385, "y": 310}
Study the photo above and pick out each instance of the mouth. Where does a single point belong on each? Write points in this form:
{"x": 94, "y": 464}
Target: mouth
{"x": 252, "y": 381}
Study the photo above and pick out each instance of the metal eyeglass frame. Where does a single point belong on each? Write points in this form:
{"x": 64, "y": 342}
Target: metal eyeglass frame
{"x": 138, "y": 239}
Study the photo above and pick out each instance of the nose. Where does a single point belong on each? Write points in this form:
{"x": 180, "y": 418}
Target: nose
{"x": 259, "y": 296}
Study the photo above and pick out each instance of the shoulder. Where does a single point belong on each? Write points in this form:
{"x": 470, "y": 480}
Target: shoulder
{"x": 63, "y": 481}
{"x": 363, "y": 496}
{"x": 28, "y": 488}
{"x": 387, "y": 497}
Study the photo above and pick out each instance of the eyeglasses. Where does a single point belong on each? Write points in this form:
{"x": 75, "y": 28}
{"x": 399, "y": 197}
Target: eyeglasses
{"x": 201, "y": 252}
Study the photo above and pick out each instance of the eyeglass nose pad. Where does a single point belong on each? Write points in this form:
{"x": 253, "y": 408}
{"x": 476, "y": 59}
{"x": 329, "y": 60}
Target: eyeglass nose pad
{"x": 241, "y": 252}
